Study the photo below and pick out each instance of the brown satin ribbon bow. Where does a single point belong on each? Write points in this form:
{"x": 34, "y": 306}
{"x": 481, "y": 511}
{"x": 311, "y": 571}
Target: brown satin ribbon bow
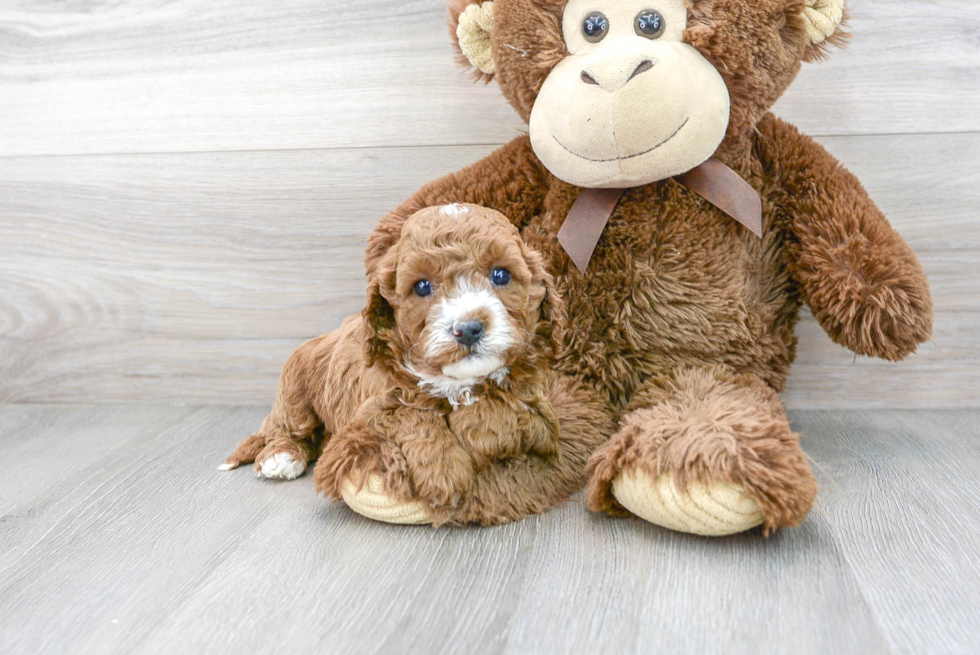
{"x": 712, "y": 180}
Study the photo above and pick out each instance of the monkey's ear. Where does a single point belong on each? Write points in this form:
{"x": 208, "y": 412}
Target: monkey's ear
{"x": 470, "y": 23}
{"x": 378, "y": 316}
{"x": 824, "y": 21}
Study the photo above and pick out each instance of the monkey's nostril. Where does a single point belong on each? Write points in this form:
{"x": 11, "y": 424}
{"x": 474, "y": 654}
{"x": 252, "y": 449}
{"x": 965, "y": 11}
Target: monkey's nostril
{"x": 644, "y": 66}
{"x": 468, "y": 333}
{"x": 588, "y": 79}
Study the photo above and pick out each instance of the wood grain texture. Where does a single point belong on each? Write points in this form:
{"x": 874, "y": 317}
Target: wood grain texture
{"x": 191, "y": 76}
{"x": 900, "y": 490}
{"x": 123, "y": 538}
{"x": 191, "y": 277}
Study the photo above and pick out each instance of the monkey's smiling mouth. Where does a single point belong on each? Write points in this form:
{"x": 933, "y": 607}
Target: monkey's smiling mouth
{"x": 639, "y": 154}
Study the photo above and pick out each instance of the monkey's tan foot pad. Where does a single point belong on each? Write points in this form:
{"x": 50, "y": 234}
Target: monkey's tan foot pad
{"x": 711, "y": 510}
{"x": 372, "y": 502}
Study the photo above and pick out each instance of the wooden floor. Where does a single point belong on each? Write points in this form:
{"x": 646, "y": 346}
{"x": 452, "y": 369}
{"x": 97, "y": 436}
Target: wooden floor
{"x": 118, "y": 535}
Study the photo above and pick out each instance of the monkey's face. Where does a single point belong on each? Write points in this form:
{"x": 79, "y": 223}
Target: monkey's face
{"x": 631, "y": 103}
{"x": 621, "y": 93}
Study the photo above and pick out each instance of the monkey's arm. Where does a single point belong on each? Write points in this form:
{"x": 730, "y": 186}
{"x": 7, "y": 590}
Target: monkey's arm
{"x": 509, "y": 180}
{"x": 861, "y": 280}
{"x": 411, "y": 449}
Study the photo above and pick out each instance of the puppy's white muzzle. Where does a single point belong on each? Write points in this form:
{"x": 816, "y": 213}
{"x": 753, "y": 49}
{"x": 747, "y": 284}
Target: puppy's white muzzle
{"x": 483, "y": 356}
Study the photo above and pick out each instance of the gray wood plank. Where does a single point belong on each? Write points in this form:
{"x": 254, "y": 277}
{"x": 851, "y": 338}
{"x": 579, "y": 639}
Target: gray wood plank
{"x": 77, "y": 438}
{"x": 107, "y": 550}
{"x": 159, "y": 552}
{"x": 190, "y": 278}
{"x": 164, "y": 76}
{"x": 901, "y": 490}
{"x": 565, "y": 582}
{"x": 686, "y": 594}
{"x": 144, "y": 547}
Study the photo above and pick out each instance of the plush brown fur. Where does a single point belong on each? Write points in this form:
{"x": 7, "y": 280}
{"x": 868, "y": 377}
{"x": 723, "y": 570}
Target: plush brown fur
{"x": 497, "y": 479}
{"x": 520, "y": 447}
{"x": 676, "y": 290}
{"x": 708, "y": 424}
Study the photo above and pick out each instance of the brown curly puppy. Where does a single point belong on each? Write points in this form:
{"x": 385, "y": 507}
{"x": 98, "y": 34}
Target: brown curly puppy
{"x": 440, "y": 387}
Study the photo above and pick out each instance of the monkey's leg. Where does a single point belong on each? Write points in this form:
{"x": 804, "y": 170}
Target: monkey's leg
{"x": 370, "y": 474}
{"x": 705, "y": 451}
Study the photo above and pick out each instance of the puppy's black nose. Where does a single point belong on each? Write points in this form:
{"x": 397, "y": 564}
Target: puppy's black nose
{"x": 468, "y": 332}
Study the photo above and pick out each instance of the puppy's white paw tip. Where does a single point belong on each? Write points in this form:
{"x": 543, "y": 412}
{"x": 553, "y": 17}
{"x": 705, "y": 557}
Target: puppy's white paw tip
{"x": 282, "y": 466}
{"x": 226, "y": 467}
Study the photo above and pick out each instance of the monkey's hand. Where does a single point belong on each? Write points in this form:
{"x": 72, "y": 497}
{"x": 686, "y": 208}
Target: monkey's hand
{"x": 870, "y": 296}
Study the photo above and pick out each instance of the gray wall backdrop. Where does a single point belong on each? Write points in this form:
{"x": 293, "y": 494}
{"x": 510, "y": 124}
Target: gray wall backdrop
{"x": 186, "y": 186}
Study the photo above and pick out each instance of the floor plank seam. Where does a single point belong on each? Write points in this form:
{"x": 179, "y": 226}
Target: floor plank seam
{"x": 420, "y": 146}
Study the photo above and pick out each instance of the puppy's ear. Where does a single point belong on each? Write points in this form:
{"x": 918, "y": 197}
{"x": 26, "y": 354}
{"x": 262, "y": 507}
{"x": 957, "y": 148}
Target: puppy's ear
{"x": 378, "y": 316}
{"x": 551, "y": 316}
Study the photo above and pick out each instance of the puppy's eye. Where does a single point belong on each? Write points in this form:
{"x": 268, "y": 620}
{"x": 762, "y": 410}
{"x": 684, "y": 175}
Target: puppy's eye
{"x": 650, "y": 24}
{"x": 500, "y": 277}
{"x": 422, "y": 288}
{"x": 595, "y": 27}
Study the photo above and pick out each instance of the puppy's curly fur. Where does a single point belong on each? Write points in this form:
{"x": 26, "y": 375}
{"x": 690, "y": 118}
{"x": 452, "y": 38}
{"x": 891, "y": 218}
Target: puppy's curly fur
{"x": 482, "y": 432}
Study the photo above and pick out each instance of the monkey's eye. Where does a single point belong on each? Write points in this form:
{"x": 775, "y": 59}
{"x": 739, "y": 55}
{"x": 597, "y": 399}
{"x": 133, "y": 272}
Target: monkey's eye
{"x": 650, "y": 24}
{"x": 500, "y": 277}
{"x": 422, "y": 288}
{"x": 595, "y": 27}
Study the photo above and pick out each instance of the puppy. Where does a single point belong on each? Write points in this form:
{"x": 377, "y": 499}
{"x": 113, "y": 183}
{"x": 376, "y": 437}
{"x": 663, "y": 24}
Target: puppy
{"x": 442, "y": 379}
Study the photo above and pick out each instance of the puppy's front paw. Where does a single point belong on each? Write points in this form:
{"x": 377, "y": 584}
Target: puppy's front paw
{"x": 280, "y": 466}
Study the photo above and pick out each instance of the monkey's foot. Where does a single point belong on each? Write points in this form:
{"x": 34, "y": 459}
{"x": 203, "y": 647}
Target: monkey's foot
{"x": 373, "y": 502}
{"x": 711, "y": 510}
{"x": 708, "y": 452}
